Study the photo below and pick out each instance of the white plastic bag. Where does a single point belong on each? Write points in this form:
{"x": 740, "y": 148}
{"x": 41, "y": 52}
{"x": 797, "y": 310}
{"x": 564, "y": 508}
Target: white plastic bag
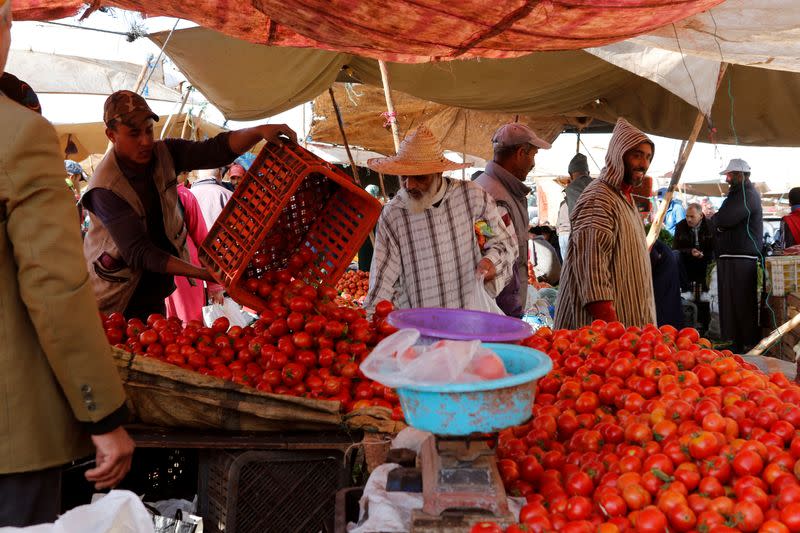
{"x": 481, "y": 301}
{"x": 396, "y": 362}
{"x": 230, "y": 309}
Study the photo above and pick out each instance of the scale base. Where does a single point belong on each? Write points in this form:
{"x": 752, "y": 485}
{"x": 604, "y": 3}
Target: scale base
{"x": 462, "y": 475}
{"x": 454, "y": 521}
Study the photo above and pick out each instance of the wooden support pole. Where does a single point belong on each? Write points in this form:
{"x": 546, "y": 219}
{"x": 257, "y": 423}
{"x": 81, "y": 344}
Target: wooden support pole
{"x": 185, "y": 123}
{"x": 180, "y": 110}
{"x": 686, "y": 149}
{"x": 383, "y": 188}
{"x": 140, "y": 80}
{"x": 339, "y": 121}
{"x": 387, "y": 93}
{"x": 773, "y": 337}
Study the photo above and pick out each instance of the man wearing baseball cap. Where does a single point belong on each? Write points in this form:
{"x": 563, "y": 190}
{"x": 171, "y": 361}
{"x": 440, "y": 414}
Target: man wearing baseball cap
{"x": 61, "y": 397}
{"x": 515, "y": 146}
{"x": 740, "y": 232}
{"x": 136, "y": 241}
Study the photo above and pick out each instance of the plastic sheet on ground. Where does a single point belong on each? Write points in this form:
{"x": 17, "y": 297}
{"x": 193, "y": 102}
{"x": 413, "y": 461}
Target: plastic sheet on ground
{"x": 120, "y": 511}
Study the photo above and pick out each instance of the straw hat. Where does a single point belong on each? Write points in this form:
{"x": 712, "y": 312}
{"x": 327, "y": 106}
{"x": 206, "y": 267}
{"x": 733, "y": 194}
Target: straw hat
{"x": 420, "y": 153}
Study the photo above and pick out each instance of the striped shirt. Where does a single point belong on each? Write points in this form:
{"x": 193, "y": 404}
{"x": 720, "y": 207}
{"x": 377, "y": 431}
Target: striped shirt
{"x": 608, "y": 257}
{"x": 429, "y": 259}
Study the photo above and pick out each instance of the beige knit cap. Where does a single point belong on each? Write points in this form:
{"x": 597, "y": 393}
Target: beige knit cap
{"x": 420, "y": 153}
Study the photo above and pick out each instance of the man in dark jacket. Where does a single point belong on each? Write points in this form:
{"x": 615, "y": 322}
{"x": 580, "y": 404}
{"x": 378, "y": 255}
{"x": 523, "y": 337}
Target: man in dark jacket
{"x": 740, "y": 231}
{"x": 578, "y": 180}
{"x": 694, "y": 244}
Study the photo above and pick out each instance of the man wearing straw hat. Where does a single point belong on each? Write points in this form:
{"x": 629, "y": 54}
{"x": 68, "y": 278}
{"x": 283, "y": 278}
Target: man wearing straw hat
{"x": 60, "y": 394}
{"x": 515, "y": 146}
{"x": 427, "y": 250}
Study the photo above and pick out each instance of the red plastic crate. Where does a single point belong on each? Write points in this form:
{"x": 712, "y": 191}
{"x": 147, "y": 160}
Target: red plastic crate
{"x": 288, "y": 199}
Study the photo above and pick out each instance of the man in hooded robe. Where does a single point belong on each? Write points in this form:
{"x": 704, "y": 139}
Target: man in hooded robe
{"x": 607, "y": 272}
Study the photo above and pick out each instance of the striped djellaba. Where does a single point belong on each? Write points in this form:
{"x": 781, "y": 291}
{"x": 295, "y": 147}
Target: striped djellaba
{"x": 429, "y": 259}
{"x": 607, "y": 257}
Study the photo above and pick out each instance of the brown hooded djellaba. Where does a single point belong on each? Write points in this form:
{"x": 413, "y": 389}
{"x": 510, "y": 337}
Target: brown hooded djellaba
{"x": 608, "y": 257}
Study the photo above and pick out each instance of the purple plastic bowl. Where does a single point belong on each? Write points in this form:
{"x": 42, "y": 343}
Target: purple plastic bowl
{"x": 462, "y": 325}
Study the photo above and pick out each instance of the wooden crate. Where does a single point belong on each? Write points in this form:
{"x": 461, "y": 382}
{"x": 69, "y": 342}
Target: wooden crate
{"x": 166, "y": 395}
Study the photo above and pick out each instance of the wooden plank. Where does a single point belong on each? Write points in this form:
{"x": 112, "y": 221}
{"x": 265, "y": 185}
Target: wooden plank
{"x": 147, "y": 436}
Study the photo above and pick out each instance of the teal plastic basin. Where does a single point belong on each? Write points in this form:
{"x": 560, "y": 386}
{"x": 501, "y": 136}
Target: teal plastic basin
{"x": 458, "y": 409}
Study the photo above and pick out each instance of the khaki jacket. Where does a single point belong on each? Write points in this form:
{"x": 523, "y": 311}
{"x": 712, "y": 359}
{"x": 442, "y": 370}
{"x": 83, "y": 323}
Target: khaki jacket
{"x": 56, "y": 369}
{"x": 114, "y": 288}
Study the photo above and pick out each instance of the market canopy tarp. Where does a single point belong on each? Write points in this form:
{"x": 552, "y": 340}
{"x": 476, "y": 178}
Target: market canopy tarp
{"x": 460, "y": 130}
{"x": 406, "y": 30}
{"x": 546, "y": 84}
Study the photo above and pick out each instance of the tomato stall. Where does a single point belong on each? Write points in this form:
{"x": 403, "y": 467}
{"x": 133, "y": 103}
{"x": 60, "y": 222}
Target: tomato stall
{"x": 605, "y": 428}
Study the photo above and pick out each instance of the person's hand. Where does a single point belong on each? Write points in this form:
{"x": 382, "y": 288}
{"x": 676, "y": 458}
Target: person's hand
{"x": 217, "y": 296}
{"x": 112, "y": 460}
{"x": 272, "y": 132}
{"x": 697, "y": 253}
{"x": 486, "y": 269}
{"x": 203, "y": 274}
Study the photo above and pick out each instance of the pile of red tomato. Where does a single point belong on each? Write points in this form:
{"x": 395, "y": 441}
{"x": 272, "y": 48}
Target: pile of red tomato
{"x": 302, "y": 344}
{"x": 353, "y": 285}
{"x": 652, "y": 430}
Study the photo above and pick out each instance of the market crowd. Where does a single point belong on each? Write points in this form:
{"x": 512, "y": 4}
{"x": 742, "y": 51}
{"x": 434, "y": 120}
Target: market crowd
{"x": 125, "y": 239}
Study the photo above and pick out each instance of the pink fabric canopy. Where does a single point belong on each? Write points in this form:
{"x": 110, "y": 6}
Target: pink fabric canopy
{"x": 408, "y": 31}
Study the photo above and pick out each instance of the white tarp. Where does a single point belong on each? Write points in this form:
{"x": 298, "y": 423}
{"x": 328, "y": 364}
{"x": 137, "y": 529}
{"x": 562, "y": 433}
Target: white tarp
{"x": 756, "y": 33}
{"x": 685, "y": 57}
{"x": 692, "y": 78}
{"x": 53, "y": 73}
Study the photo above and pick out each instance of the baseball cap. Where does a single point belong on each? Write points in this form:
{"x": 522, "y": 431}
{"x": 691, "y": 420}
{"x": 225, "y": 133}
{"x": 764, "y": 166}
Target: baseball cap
{"x": 514, "y": 134}
{"x": 736, "y": 165}
{"x": 125, "y": 106}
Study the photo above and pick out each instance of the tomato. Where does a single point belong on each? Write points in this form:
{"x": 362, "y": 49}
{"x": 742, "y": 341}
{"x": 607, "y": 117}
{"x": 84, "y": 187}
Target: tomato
{"x": 334, "y": 329}
{"x": 578, "y": 508}
{"x": 148, "y": 337}
{"x": 748, "y": 516}
{"x": 651, "y": 520}
{"x": 292, "y": 374}
{"x": 703, "y": 445}
{"x": 790, "y": 516}
{"x": 635, "y": 496}
{"x": 773, "y": 526}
